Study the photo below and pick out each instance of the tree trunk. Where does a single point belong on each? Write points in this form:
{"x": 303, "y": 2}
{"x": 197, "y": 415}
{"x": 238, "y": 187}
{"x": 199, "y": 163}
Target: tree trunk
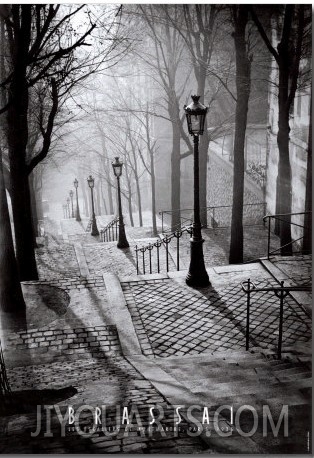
{"x": 153, "y": 188}
{"x": 103, "y": 198}
{"x": 243, "y": 69}
{"x": 284, "y": 197}
{"x": 203, "y": 156}
{"x": 17, "y": 142}
{"x": 307, "y": 239}
{"x": 130, "y": 211}
{"x": 139, "y": 201}
{"x": 85, "y": 199}
{"x": 175, "y": 178}
{"x": 20, "y": 193}
{"x": 98, "y": 203}
{"x": 33, "y": 207}
{"x": 110, "y": 199}
{"x": 11, "y": 297}
{"x": 203, "y": 151}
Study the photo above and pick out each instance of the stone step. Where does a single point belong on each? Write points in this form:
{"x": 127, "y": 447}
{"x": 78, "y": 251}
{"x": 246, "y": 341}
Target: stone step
{"x": 279, "y": 390}
{"x": 228, "y": 355}
{"x": 297, "y": 376}
{"x": 295, "y": 369}
{"x": 226, "y": 390}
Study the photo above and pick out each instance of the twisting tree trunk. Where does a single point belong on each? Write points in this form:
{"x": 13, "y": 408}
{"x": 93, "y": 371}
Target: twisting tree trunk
{"x": 243, "y": 71}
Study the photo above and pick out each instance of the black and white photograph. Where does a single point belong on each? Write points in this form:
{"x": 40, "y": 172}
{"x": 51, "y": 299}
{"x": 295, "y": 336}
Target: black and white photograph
{"x": 156, "y": 228}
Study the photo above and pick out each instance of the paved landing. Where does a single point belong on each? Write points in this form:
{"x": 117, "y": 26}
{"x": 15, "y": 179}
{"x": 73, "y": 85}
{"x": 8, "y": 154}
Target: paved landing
{"x": 173, "y": 319}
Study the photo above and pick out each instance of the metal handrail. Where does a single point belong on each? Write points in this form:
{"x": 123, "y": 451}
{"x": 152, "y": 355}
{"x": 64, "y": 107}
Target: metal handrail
{"x": 110, "y": 232}
{"x": 278, "y": 217}
{"x": 165, "y": 240}
{"x": 281, "y": 292}
{"x": 212, "y": 208}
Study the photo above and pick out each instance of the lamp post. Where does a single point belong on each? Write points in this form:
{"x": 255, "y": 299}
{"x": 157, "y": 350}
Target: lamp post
{"x": 197, "y": 275}
{"x": 71, "y": 197}
{"x": 78, "y": 216}
{"x": 68, "y": 206}
{"x": 117, "y": 170}
{"x": 91, "y": 181}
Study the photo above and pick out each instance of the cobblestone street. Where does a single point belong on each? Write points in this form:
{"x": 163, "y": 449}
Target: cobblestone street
{"x": 216, "y": 318}
{"x": 70, "y": 349}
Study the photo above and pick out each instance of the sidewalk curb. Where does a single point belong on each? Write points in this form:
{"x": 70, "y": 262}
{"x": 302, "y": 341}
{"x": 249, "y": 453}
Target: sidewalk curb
{"x": 81, "y": 259}
{"x": 121, "y": 316}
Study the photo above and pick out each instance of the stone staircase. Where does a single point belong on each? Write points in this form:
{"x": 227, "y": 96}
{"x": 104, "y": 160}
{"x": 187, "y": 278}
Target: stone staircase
{"x": 257, "y": 379}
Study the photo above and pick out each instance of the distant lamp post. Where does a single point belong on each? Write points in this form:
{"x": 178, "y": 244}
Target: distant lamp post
{"x": 78, "y": 216}
{"x": 91, "y": 182}
{"x": 71, "y": 197}
{"x": 117, "y": 170}
{"x": 68, "y": 206}
{"x": 197, "y": 275}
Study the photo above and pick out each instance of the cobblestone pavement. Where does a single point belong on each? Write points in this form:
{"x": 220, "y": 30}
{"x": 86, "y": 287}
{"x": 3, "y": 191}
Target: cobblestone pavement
{"x": 67, "y": 342}
{"x": 57, "y": 262}
{"x": 67, "y": 351}
{"x": 297, "y": 268}
{"x": 170, "y": 319}
{"x": 113, "y": 383}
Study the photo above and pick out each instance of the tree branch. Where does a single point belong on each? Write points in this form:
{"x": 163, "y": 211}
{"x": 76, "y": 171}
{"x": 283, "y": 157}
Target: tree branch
{"x": 47, "y": 135}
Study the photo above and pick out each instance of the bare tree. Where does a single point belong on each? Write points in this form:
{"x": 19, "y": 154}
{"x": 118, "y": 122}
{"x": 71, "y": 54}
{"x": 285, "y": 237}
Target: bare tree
{"x": 290, "y": 50}
{"x": 165, "y": 60}
{"x": 243, "y": 83}
{"x": 43, "y": 45}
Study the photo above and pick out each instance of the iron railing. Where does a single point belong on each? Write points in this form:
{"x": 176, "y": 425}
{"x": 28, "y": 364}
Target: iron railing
{"x": 110, "y": 232}
{"x": 218, "y": 216}
{"x": 154, "y": 249}
{"x": 281, "y": 292}
{"x": 280, "y": 218}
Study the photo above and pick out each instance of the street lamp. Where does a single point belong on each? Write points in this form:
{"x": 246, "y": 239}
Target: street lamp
{"x": 78, "y": 216}
{"x": 71, "y": 197}
{"x": 197, "y": 275}
{"x": 117, "y": 170}
{"x": 90, "y": 181}
{"x": 68, "y": 206}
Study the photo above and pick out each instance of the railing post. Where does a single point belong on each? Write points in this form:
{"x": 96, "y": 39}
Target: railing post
{"x": 158, "y": 245}
{"x": 280, "y": 321}
{"x": 248, "y": 303}
{"x": 136, "y": 259}
{"x": 167, "y": 252}
{"x": 268, "y": 240}
{"x": 150, "y": 247}
{"x": 162, "y": 222}
{"x": 143, "y": 251}
{"x": 178, "y": 253}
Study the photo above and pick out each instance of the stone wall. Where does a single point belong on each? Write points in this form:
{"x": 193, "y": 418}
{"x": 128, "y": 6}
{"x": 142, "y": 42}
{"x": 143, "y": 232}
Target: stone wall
{"x": 220, "y": 191}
